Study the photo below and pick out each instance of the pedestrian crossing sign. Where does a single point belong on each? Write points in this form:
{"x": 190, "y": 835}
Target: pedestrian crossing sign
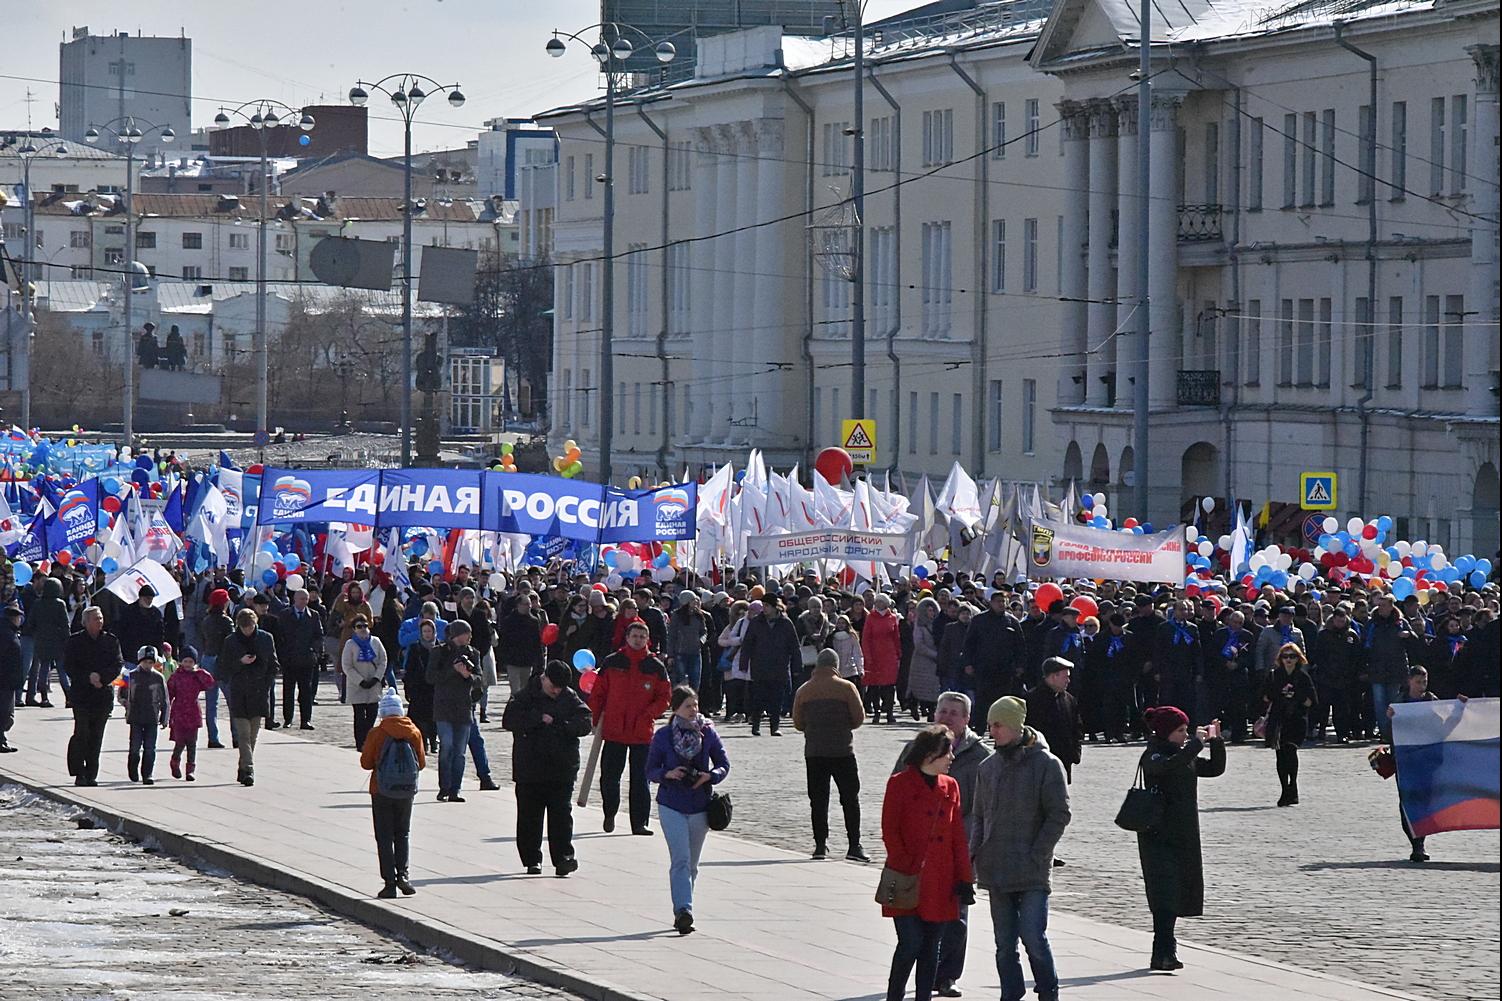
{"x": 1317, "y": 491}
{"x": 858, "y": 437}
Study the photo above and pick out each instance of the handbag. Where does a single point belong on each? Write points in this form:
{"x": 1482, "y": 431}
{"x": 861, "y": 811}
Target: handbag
{"x": 1259, "y": 728}
{"x": 1142, "y": 810}
{"x": 899, "y": 890}
{"x": 720, "y": 810}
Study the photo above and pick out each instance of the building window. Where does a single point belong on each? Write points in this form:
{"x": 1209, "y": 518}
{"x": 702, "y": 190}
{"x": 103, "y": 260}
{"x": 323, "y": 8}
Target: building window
{"x": 835, "y": 412}
{"x": 283, "y": 242}
{"x": 1454, "y": 326}
{"x": 1324, "y": 335}
{"x": 680, "y": 166}
{"x": 568, "y": 397}
{"x": 636, "y": 408}
{"x": 198, "y": 344}
{"x": 1311, "y": 150}
{"x": 1029, "y": 255}
{"x": 1058, "y": 256}
{"x": 912, "y": 423}
{"x": 566, "y": 291}
{"x": 568, "y": 178}
{"x": 1399, "y": 144}
{"x": 78, "y": 239}
{"x": 1029, "y": 414}
{"x": 114, "y": 255}
{"x": 1252, "y": 354}
{"x": 938, "y": 275}
{"x": 589, "y": 176}
{"x": 679, "y": 285}
{"x": 836, "y": 159}
{"x": 1212, "y": 163}
{"x": 1304, "y": 376}
{"x": 1368, "y": 161}
{"x": 636, "y": 290}
{"x": 999, "y": 129}
{"x": 836, "y": 304}
{"x": 956, "y": 423}
{"x": 1285, "y": 343}
{"x": 938, "y": 137}
{"x": 239, "y": 241}
{"x": 879, "y": 145}
{"x": 993, "y": 422}
{"x": 1437, "y": 146}
{"x": 1254, "y": 166}
{"x": 1431, "y": 343}
{"x": 933, "y": 423}
{"x": 639, "y": 170}
{"x": 1030, "y": 113}
{"x": 998, "y": 255}
{"x": 1290, "y": 160}
{"x": 587, "y": 291}
{"x": 1395, "y": 342}
{"x": 587, "y": 388}
{"x": 688, "y": 408}
{"x": 192, "y": 272}
{"x": 1327, "y": 157}
{"x": 881, "y": 277}
{"x": 98, "y": 342}
{"x": 652, "y": 408}
{"x": 1458, "y": 130}
{"x": 145, "y": 241}
{"x": 192, "y": 241}
{"x": 1365, "y": 340}
{"x": 239, "y": 274}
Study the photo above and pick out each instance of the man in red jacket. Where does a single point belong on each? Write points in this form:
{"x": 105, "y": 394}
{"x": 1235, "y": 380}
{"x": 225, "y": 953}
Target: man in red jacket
{"x": 630, "y": 692}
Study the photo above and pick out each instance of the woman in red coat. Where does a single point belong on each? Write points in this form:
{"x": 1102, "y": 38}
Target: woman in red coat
{"x": 923, "y": 829}
{"x": 881, "y": 646}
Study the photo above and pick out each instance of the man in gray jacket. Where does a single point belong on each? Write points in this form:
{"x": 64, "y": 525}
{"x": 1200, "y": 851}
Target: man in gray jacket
{"x": 970, "y": 751}
{"x": 1017, "y": 815}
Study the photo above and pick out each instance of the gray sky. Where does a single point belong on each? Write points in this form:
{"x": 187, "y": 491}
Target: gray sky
{"x": 311, "y": 51}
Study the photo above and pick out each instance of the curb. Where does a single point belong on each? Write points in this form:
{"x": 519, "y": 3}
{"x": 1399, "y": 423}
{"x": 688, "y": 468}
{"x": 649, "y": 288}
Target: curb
{"x": 462, "y": 946}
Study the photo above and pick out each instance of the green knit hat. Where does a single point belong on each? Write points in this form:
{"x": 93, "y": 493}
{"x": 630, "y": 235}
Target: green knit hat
{"x": 1009, "y": 711}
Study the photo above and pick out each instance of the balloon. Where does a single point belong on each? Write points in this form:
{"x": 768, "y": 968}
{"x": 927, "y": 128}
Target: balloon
{"x": 1087, "y": 502}
{"x": 1098, "y": 522}
{"x": 570, "y": 444}
{"x": 1085, "y": 605}
{"x": 574, "y": 469}
{"x": 109, "y": 564}
{"x": 1205, "y": 548}
{"x": 1207, "y": 505}
{"x": 1100, "y": 511}
{"x": 1307, "y": 571}
{"x": 111, "y": 485}
{"x": 269, "y": 577}
{"x": 1465, "y": 564}
{"x": 1100, "y": 499}
{"x": 292, "y": 561}
{"x": 633, "y": 483}
{"x": 921, "y": 572}
{"x": 1485, "y": 566}
{"x": 1192, "y": 534}
{"x": 584, "y": 660}
{"x": 1477, "y": 579}
{"x": 1402, "y": 588}
{"x": 22, "y": 573}
{"x": 549, "y": 634}
{"x": 610, "y": 557}
{"x": 507, "y": 448}
{"x": 664, "y": 574}
{"x": 834, "y": 465}
{"x": 1369, "y": 532}
{"x": 263, "y": 561}
{"x": 435, "y": 567}
{"x": 597, "y": 586}
{"x": 1130, "y": 523}
{"x": 1047, "y": 594}
{"x": 1331, "y": 524}
{"x": 295, "y": 582}
{"x": 613, "y": 581}
{"x": 558, "y": 464}
{"x": 572, "y": 455}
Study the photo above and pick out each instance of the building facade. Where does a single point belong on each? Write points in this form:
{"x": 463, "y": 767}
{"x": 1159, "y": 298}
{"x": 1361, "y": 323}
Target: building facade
{"x": 105, "y": 77}
{"x": 507, "y": 146}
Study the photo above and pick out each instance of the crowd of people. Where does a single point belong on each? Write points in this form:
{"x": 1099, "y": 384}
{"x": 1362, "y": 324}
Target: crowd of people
{"x": 1010, "y": 693}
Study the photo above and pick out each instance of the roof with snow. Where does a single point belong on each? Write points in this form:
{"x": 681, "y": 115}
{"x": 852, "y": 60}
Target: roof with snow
{"x": 77, "y": 296}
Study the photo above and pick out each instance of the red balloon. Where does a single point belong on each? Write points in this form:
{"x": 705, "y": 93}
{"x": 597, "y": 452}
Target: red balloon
{"x": 1130, "y": 523}
{"x": 834, "y": 465}
{"x": 64, "y": 557}
{"x": 111, "y": 504}
{"x": 255, "y": 470}
{"x": 549, "y": 634}
{"x": 587, "y": 682}
{"x": 1192, "y": 589}
{"x": 1369, "y": 532}
{"x": 1047, "y": 594}
{"x": 599, "y": 587}
{"x": 1085, "y": 605}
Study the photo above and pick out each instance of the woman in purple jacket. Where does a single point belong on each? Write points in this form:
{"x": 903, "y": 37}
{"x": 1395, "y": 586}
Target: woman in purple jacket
{"x": 685, "y": 758}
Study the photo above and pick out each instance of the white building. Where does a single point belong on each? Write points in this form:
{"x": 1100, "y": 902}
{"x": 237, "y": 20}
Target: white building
{"x": 107, "y": 77}
{"x": 79, "y": 167}
{"x": 504, "y": 149}
{"x": 1001, "y": 254}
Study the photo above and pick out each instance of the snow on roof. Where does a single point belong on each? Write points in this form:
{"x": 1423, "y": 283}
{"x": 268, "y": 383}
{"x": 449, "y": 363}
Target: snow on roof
{"x": 81, "y": 296}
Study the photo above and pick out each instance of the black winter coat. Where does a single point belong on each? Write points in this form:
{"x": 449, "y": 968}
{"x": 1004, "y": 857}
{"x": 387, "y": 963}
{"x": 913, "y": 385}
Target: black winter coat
{"x": 1337, "y": 657}
{"x": 518, "y": 640}
{"x": 1285, "y": 694}
{"x": 248, "y": 683}
{"x": 1172, "y": 868}
{"x": 138, "y": 627}
{"x": 85, "y": 655}
{"x": 995, "y": 648}
{"x": 12, "y": 673}
{"x": 546, "y": 752}
{"x": 454, "y": 694}
{"x": 300, "y": 640}
{"x": 771, "y": 649}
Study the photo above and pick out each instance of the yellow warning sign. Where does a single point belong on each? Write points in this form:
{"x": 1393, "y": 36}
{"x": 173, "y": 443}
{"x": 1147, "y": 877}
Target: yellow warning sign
{"x": 858, "y": 437}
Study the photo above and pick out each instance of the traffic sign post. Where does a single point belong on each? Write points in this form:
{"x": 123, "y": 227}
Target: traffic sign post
{"x": 1317, "y": 491}
{"x": 858, "y": 437}
{"x": 1314, "y": 527}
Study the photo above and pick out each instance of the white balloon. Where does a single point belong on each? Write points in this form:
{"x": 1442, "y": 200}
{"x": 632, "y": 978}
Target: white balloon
{"x": 1285, "y": 561}
{"x": 1355, "y": 525}
{"x": 1401, "y": 548}
{"x": 1439, "y": 562}
{"x": 1206, "y": 548}
{"x": 295, "y": 582}
{"x": 1419, "y": 548}
{"x": 613, "y": 581}
{"x": 264, "y": 561}
{"x": 497, "y": 581}
{"x": 1257, "y": 562}
{"x": 1207, "y": 505}
{"x": 1099, "y": 499}
{"x": 1191, "y": 533}
{"x": 932, "y": 566}
{"x": 1306, "y": 571}
{"x": 1100, "y": 509}
{"x": 663, "y": 574}
{"x": 1224, "y": 542}
{"x": 1331, "y": 524}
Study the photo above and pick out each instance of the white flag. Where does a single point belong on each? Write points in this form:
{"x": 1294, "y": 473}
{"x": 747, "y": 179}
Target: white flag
{"x": 128, "y": 583}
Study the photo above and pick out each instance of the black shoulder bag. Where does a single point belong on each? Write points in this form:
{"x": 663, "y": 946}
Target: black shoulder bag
{"x": 1142, "y": 810}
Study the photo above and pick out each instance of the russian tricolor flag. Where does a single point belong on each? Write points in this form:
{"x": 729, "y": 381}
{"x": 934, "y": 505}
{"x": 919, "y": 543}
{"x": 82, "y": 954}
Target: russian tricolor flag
{"x": 1449, "y": 764}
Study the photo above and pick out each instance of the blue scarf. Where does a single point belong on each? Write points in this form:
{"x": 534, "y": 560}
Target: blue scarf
{"x": 1457, "y": 643}
{"x": 1231, "y": 650}
{"x": 1181, "y": 634}
{"x": 1115, "y": 646}
{"x": 1071, "y": 642}
{"x": 367, "y": 650}
{"x": 1287, "y": 633}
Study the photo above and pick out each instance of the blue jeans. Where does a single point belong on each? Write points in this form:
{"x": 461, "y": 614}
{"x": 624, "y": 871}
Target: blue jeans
{"x": 211, "y": 698}
{"x": 686, "y": 666}
{"x": 453, "y": 740}
{"x": 952, "y": 947}
{"x": 1382, "y": 696}
{"x": 476, "y": 742}
{"x": 917, "y": 945}
{"x": 1023, "y": 915}
{"x": 684, "y": 833}
{"x": 142, "y": 753}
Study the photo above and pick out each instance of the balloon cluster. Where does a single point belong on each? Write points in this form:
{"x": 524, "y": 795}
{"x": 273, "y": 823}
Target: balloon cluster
{"x": 629, "y": 560}
{"x": 274, "y": 565}
{"x": 568, "y": 464}
{"x": 507, "y": 463}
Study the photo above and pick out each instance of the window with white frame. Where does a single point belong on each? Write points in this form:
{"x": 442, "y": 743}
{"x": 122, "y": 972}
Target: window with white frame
{"x": 880, "y": 147}
{"x": 652, "y": 398}
{"x": 1304, "y": 373}
{"x": 998, "y": 255}
{"x": 1327, "y": 157}
{"x": 912, "y": 423}
{"x": 1029, "y": 415}
{"x": 938, "y": 137}
{"x": 881, "y": 277}
{"x": 637, "y": 314}
{"x": 1324, "y": 348}
{"x": 568, "y": 178}
{"x": 836, "y": 299}
{"x": 636, "y": 408}
{"x": 1212, "y": 163}
{"x": 933, "y": 423}
{"x": 1029, "y": 255}
{"x": 1399, "y": 143}
{"x": 680, "y": 166}
{"x": 993, "y": 415}
{"x": 999, "y": 129}
{"x": 1254, "y": 166}
{"x": 1290, "y": 161}
{"x": 568, "y": 397}
{"x": 1030, "y": 114}
{"x": 566, "y": 291}
{"x": 589, "y": 175}
{"x": 938, "y": 276}
{"x": 192, "y": 272}
{"x": 836, "y": 153}
{"x": 145, "y": 240}
{"x": 679, "y": 286}
{"x": 78, "y": 239}
{"x": 1395, "y": 342}
{"x": 1285, "y": 343}
{"x": 639, "y": 170}
{"x": 1310, "y": 148}
{"x": 587, "y": 398}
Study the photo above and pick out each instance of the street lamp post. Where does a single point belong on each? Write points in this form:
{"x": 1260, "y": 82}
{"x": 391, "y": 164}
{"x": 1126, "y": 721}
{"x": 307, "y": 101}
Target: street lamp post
{"x": 407, "y": 93}
{"x": 611, "y": 52}
{"x": 263, "y": 116}
{"x": 129, "y": 132}
{"x": 28, "y": 151}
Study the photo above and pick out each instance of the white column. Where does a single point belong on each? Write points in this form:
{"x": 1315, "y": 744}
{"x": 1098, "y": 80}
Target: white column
{"x": 709, "y": 393}
{"x": 769, "y": 312}
{"x": 701, "y": 282}
{"x": 1102, "y": 285}
{"x": 1165, "y": 337}
{"x": 1074, "y": 284}
{"x": 748, "y": 338}
{"x": 1481, "y": 342}
{"x": 1127, "y": 242}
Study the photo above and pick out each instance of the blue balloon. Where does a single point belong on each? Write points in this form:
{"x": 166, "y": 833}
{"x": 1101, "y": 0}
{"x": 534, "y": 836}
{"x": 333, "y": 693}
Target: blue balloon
{"x": 109, "y": 564}
{"x": 22, "y": 573}
{"x": 1402, "y": 587}
{"x": 1477, "y": 579}
{"x": 1087, "y": 502}
{"x": 660, "y": 560}
{"x": 1392, "y": 553}
{"x": 921, "y": 572}
{"x": 610, "y": 558}
{"x": 270, "y": 547}
{"x": 1409, "y": 573}
{"x": 1136, "y": 529}
{"x": 1280, "y": 578}
{"x": 435, "y": 567}
{"x": 111, "y": 485}
{"x": 419, "y": 546}
{"x": 1384, "y": 523}
{"x": 1353, "y": 548}
{"x": 145, "y": 462}
{"x": 269, "y": 578}
{"x": 629, "y": 574}
{"x": 1465, "y": 564}
{"x": 1342, "y": 537}
{"x": 1098, "y": 521}
{"x": 1326, "y": 541}
{"x": 1485, "y": 566}
{"x": 291, "y": 561}
{"x": 584, "y": 660}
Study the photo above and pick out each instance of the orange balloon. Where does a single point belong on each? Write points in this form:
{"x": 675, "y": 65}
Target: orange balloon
{"x": 572, "y": 455}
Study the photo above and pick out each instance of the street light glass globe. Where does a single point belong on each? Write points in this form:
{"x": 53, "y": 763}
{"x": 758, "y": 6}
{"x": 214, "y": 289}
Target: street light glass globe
{"x": 306, "y": 122}
{"x": 271, "y": 120}
{"x": 555, "y": 47}
{"x": 61, "y": 151}
{"x": 456, "y": 99}
{"x": 416, "y": 94}
{"x": 27, "y": 148}
{"x": 132, "y": 135}
{"x": 358, "y": 97}
{"x": 600, "y": 51}
{"x": 221, "y": 120}
{"x": 167, "y": 135}
{"x": 91, "y": 136}
{"x": 399, "y": 97}
{"x": 621, "y": 49}
{"x": 256, "y": 122}
{"x": 665, "y": 52}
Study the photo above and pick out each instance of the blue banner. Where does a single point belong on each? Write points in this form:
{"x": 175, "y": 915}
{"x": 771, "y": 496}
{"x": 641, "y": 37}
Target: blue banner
{"x": 516, "y": 503}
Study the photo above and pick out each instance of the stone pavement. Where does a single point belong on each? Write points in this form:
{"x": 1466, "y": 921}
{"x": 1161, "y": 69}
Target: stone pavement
{"x": 774, "y": 926}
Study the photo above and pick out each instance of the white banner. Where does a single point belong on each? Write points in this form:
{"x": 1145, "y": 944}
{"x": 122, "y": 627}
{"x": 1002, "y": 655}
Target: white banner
{"x": 1059, "y": 550}
{"x": 145, "y": 571}
{"x": 845, "y": 544}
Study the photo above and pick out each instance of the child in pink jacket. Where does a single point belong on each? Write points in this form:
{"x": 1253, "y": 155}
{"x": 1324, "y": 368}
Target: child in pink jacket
{"x": 186, "y": 717}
